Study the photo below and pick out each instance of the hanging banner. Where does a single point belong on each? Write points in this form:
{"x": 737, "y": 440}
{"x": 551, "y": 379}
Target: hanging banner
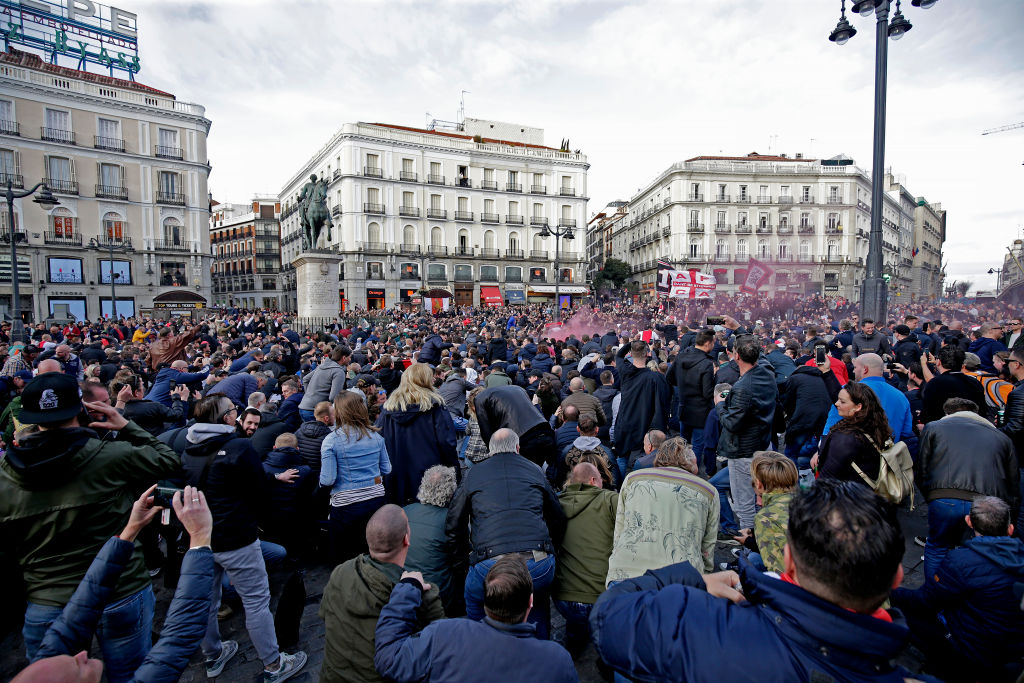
{"x": 684, "y": 284}
{"x": 757, "y": 275}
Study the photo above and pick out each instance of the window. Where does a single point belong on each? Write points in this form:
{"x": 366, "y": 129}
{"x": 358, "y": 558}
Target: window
{"x": 372, "y": 195}
{"x": 437, "y": 271}
{"x": 122, "y": 272}
{"x": 172, "y": 274}
{"x": 6, "y": 113}
{"x": 833, "y": 193}
{"x": 805, "y": 220}
{"x": 435, "y": 202}
{"x": 741, "y": 249}
{"x": 832, "y": 250}
{"x": 65, "y": 270}
{"x": 372, "y": 162}
{"x": 721, "y": 190}
{"x": 513, "y": 241}
{"x": 172, "y": 232}
{"x": 435, "y": 168}
{"x": 743, "y": 191}
{"x": 75, "y": 307}
{"x": 762, "y": 249}
{"x": 489, "y": 273}
{"x": 62, "y": 223}
{"x": 784, "y": 190}
{"x": 463, "y": 203}
{"x": 108, "y": 130}
{"x": 805, "y": 249}
{"x": 763, "y": 191}
{"x": 694, "y": 249}
{"x": 167, "y": 140}
{"x": 513, "y": 208}
{"x": 113, "y": 226}
{"x": 463, "y": 273}
{"x": 721, "y": 249}
{"x": 513, "y": 274}
{"x": 9, "y": 167}
{"x": 721, "y": 219}
{"x": 566, "y": 211}
{"x": 513, "y": 177}
{"x": 694, "y": 190}
{"x": 489, "y": 174}
{"x": 489, "y": 206}
{"x": 168, "y": 182}
{"x": 489, "y": 239}
{"x": 436, "y": 237}
{"x": 464, "y": 246}
{"x": 784, "y": 249}
{"x": 784, "y": 220}
{"x": 538, "y": 210}
{"x": 58, "y": 120}
{"x": 125, "y": 307}
{"x": 375, "y": 270}
{"x": 373, "y": 234}
{"x": 694, "y": 218}
{"x": 565, "y": 275}
{"x": 805, "y": 193}
{"x": 59, "y": 170}
{"x": 538, "y": 275}
{"x": 741, "y": 218}
{"x": 408, "y": 199}
{"x": 833, "y": 221}
{"x": 110, "y": 177}
{"x": 409, "y": 235}
{"x": 409, "y": 271}
{"x": 407, "y": 166}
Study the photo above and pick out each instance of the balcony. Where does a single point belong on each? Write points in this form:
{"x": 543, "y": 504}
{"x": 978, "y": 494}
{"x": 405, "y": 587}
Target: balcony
{"x": 435, "y": 179}
{"x": 723, "y": 198}
{"x": 538, "y": 189}
{"x": 834, "y": 230}
{"x": 806, "y": 258}
{"x": 539, "y": 221}
{"x": 784, "y": 258}
{"x": 463, "y": 215}
{"x": 372, "y": 172}
{"x": 463, "y": 251}
{"x": 463, "y": 182}
{"x": 112, "y": 192}
{"x": 373, "y": 248}
{"x": 785, "y": 230}
{"x": 488, "y": 185}
{"x": 61, "y": 186}
{"x": 409, "y": 176}
{"x": 665, "y": 232}
{"x": 172, "y": 245}
{"x": 515, "y": 254}
{"x": 807, "y": 199}
{"x": 743, "y": 199}
{"x": 111, "y": 144}
{"x": 514, "y": 220}
{"x": 15, "y": 179}
{"x": 489, "y": 218}
{"x": 785, "y": 199}
{"x": 764, "y": 199}
{"x": 105, "y": 241}
{"x": 63, "y": 239}
{"x": 697, "y": 197}
{"x": 695, "y": 227}
{"x": 490, "y": 253}
{"x": 744, "y": 229}
{"x": 539, "y": 254}
{"x": 171, "y": 198}
{"x": 721, "y": 258}
{"x": 836, "y": 199}
{"x": 513, "y": 187}
{"x": 437, "y": 250}
{"x": 764, "y": 230}
{"x": 567, "y": 222}
{"x": 463, "y": 277}
{"x": 336, "y": 175}
{"x": 370, "y": 207}
{"x": 441, "y": 214}
{"x": 412, "y": 211}
{"x": 9, "y": 127}
{"x": 806, "y": 229}
{"x": 163, "y": 152}
{"x": 336, "y": 210}
{"x": 57, "y": 135}
{"x": 723, "y": 229}
{"x": 410, "y": 248}
{"x": 566, "y": 192}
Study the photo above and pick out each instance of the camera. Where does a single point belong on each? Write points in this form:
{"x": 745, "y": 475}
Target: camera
{"x": 162, "y": 496}
{"x": 172, "y": 385}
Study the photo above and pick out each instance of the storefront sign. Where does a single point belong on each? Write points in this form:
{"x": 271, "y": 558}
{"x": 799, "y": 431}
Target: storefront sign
{"x": 375, "y": 293}
{"x": 175, "y": 305}
{"x": 79, "y": 32}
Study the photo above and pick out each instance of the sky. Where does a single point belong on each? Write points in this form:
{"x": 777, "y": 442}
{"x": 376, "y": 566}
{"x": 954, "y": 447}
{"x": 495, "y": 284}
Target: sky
{"x": 635, "y": 86}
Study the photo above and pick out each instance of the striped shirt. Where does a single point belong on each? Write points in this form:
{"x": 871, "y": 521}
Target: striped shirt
{"x": 342, "y": 498}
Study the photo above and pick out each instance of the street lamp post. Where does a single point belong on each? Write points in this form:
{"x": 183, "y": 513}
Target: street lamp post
{"x": 874, "y": 292}
{"x": 96, "y": 242}
{"x": 998, "y": 272}
{"x": 47, "y": 201}
{"x": 558, "y": 231}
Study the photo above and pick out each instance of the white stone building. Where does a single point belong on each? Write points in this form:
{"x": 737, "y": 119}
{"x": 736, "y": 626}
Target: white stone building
{"x": 808, "y": 218}
{"x": 128, "y": 164}
{"x": 246, "y": 241}
{"x": 459, "y": 210}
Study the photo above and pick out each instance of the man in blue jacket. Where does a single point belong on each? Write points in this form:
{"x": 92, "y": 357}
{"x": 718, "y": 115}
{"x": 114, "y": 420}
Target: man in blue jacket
{"x": 988, "y": 345}
{"x": 503, "y": 642}
{"x": 161, "y": 390}
{"x": 968, "y": 621}
{"x": 822, "y": 619}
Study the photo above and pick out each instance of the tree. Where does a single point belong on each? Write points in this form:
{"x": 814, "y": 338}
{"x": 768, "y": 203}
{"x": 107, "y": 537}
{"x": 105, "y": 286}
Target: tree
{"x": 963, "y": 286}
{"x": 612, "y": 275}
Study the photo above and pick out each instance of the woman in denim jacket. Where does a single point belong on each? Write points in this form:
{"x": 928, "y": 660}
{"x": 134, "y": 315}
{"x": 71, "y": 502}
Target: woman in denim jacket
{"x": 353, "y": 462}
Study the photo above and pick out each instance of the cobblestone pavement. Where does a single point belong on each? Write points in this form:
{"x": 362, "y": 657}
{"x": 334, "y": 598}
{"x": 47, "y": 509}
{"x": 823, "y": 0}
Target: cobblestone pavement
{"x": 246, "y": 666}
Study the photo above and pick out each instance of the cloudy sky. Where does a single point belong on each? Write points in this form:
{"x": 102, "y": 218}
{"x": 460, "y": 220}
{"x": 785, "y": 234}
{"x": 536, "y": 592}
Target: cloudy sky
{"x": 635, "y": 85}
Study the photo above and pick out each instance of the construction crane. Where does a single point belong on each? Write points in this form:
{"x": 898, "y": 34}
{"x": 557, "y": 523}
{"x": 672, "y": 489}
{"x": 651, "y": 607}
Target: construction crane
{"x": 1002, "y": 129}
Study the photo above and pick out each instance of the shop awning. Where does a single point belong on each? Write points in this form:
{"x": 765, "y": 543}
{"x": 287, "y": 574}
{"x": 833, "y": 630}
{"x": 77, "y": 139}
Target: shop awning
{"x": 438, "y": 294}
{"x": 490, "y": 295}
{"x": 515, "y": 296}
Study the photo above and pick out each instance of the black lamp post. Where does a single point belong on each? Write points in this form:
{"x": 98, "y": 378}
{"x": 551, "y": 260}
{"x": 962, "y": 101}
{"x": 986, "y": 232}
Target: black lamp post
{"x": 998, "y": 273}
{"x": 113, "y": 276}
{"x": 47, "y": 201}
{"x": 874, "y": 292}
{"x": 568, "y": 233}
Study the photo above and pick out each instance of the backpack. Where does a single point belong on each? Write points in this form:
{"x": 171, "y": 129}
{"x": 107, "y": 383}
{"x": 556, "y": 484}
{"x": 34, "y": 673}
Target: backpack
{"x": 895, "y": 472}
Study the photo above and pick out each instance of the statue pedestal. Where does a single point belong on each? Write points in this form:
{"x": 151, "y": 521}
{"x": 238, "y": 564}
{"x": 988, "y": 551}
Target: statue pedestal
{"x": 316, "y": 280}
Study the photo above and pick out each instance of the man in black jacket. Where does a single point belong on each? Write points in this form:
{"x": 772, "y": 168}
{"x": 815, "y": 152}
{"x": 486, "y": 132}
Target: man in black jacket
{"x": 962, "y": 456}
{"x": 508, "y": 508}
{"x": 949, "y": 383}
{"x": 433, "y": 345}
{"x": 150, "y": 415}
{"x": 497, "y": 349}
{"x": 694, "y": 371}
{"x": 509, "y": 406}
{"x": 643, "y": 405}
{"x": 1013, "y": 421}
{"x": 806, "y": 404}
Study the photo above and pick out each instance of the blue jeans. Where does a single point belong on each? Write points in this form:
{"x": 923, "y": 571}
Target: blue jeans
{"x": 946, "y": 530}
{"x": 124, "y": 632}
{"x": 577, "y": 622}
{"x": 622, "y": 464}
{"x": 542, "y": 572}
{"x": 306, "y": 415}
{"x": 727, "y": 520}
{"x": 695, "y": 437}
{"x": 800, "y": 448}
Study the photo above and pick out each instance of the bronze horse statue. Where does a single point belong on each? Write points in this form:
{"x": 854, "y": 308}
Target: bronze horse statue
{"x": 313, "y": 213}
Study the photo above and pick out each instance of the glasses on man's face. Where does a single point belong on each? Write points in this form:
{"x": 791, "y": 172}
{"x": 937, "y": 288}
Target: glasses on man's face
{"x": 1013, "y": 361}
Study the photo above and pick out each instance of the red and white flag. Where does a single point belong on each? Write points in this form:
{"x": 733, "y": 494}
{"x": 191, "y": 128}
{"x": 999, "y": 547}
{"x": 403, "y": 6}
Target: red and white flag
{"x": 684, "y": 284}
{"x": 757, "y": 275}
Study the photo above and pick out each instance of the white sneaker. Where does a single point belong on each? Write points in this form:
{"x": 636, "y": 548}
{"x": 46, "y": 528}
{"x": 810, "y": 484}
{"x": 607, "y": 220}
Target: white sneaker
{"x": 290, "y": 665}
{"x": 214, "y": 667}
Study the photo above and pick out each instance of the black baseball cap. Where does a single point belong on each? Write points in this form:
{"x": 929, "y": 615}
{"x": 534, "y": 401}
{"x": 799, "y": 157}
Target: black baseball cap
{"x": 53, "y": 397}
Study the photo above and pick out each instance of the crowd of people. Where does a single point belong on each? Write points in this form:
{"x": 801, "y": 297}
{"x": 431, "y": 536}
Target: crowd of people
{"x": 464, "y": 473}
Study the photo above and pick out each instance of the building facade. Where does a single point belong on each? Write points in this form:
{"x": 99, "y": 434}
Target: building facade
{"x": 456, "y": 213}
{"x": 808, "y": 219}
{"x": 600, "y": 229}
{"x": 927, "y": 273}
{"x": 128, "y": 165}
{"x": 246, "y": 243}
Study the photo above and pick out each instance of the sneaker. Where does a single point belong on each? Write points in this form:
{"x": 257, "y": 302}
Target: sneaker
{"x": 153, "y": 573}
{"x": 228, "y": 649}
{"x": 290, "y": 665}
{"x": 920, "y": 540}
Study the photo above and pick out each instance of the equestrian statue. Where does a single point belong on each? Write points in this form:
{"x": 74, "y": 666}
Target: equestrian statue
{"x": 313, "y": 212}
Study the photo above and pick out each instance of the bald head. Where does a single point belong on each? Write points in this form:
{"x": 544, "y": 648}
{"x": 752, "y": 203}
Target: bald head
{"x": 585, "y": 473}
{"x": 180, "y": 365}
{"x": 576, "y": 385}
{"x": 570, "y": 413}
{"x": 868, "y": 365}
{"x": 48, "y": 365}
{"x": 387, "y": 533}
{"x": 62, "y": 668}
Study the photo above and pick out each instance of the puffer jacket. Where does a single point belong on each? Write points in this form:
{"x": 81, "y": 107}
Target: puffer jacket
{"x": 806, "y": 401}
{"x": 311, "y": 437}
{"x": 695, "y": 376}
{"x": 184, "y": 625}
{"x": 542, "y": 362}
{"x": 510, "y": 507}
{"x": 944, "y": 470}
{"x": 985, "y": 348}
{"x": 63, "y": 493}
{"x": 746, "y": 413}
{"x": 663, "y": 626}
{"x": 497, "y": 350}
{"x": 416, "y": 441}
{"x": 326, "y": 382}
{"x": 431, "y": 350}
{"x": 907, "y": 350}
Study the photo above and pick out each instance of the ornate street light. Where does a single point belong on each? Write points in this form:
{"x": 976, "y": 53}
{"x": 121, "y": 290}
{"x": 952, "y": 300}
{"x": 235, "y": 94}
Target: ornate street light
{"x": 558, "y": 231}
{"x": 47, "y": 201}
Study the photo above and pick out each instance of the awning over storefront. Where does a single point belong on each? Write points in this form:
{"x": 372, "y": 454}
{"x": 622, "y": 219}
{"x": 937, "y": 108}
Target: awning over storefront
{"x": 180, "y": 299}
{"x": 515, "y": 296}
{"x": 438, "y": 294}
{"x": 490, "y": 295}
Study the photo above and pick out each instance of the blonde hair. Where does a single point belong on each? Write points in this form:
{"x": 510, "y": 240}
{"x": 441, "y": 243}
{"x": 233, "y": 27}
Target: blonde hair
{"x": 774, "y": 470}
{"x": 415, "y": 389}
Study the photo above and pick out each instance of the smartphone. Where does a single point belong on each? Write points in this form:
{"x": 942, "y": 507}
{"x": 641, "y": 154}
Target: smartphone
{"x": 713, "y": 320}
{"x": 172, "y": 385}
{"x": 164, "y": 494}
{"x": 820, "y": 355}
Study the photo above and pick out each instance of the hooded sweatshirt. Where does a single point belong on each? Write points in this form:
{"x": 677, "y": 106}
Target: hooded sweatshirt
{"x": 582, "y": 563}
